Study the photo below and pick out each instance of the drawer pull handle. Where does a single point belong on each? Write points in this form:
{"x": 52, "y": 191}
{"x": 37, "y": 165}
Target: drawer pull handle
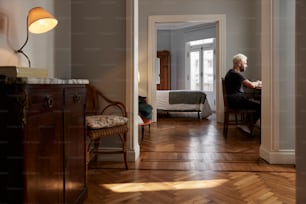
{"x": 76, "y": 98}
{"x": 49, "y": 101}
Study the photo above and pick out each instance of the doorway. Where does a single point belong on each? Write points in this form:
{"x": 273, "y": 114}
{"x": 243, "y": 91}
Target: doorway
{"x": 220, "y": 51}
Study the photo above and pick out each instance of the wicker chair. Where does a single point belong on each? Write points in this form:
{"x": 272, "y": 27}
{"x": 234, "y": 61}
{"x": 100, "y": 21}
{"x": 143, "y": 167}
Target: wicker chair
{"x": 241, "y": 113}
{"x": 109, "y": 120}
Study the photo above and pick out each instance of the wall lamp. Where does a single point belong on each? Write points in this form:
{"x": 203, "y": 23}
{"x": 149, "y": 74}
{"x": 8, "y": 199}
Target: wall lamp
{"x": 38, "y": 21}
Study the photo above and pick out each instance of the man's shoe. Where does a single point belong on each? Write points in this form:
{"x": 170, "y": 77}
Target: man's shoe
{"x": 244, "y": 128}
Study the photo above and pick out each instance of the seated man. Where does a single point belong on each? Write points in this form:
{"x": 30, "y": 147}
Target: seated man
{"x": 234, "y": 82}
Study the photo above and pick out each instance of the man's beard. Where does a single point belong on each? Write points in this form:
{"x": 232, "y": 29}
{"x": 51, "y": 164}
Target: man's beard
{"x": 242, "y": 68}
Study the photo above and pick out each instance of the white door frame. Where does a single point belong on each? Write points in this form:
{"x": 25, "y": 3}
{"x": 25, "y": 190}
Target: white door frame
{"x": 132, "y": 77}
{"x": 220, "y": 21}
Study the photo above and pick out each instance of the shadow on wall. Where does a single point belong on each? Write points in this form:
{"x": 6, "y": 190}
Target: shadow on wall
{"x": 7, "y": 54}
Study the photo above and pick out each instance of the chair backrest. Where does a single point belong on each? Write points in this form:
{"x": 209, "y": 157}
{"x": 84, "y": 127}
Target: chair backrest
{"x": 224, "y": 93}
{"x": 98, "y": 103}
{"x": 92, "y": 103}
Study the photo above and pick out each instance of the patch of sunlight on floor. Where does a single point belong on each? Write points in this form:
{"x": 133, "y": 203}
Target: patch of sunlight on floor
{"x": 163, "y": 186}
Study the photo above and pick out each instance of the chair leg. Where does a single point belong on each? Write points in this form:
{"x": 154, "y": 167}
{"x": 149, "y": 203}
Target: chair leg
{"x": 251, "y": 123}
{"x": 125, "y": 151}
{"x": 149, "y": 127}
{"x": 123, "y": 138}
{"x": 236, "y": 119}
{"x": 225, "y": 124}
{"x": 95, "y": 149}
{"x": 88, "y": 152}
{"x": 142, "y": 133}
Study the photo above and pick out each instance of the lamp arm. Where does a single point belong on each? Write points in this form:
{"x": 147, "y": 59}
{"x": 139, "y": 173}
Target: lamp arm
{"x": 24, "y": 44}
{"x": 26, "y": 56}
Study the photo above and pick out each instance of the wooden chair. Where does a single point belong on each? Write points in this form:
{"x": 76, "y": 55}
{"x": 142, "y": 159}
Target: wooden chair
{"x": 228, "y": 112}
{"x": 105, "y": 117}
{"x": 146, "y": 122}
{"x": 145, "y": 113}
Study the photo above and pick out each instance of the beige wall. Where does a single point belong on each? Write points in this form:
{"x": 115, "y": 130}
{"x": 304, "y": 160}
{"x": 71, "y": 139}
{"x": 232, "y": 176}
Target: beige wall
{"x": 62, "y": 39}
{"x": 98, "y": 44}
{"x": 300, "y": 102}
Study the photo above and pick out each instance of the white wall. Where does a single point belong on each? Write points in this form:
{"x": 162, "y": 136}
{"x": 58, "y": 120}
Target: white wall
{"x": 163, "y": 40}
{"x": 286, "y": 50}
{"x": 40, "y": 48}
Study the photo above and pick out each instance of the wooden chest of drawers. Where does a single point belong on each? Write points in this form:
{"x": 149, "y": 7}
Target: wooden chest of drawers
{"x": 42, "y": 142}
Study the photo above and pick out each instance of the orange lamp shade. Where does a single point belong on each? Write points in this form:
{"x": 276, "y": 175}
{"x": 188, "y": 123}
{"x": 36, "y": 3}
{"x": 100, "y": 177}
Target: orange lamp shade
{"x": 40, "y": 20}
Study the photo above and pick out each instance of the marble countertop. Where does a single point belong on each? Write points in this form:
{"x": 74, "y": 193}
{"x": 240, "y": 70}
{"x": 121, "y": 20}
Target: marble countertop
{"x": 55, "y": 81}
{"x": 32, "y": 80}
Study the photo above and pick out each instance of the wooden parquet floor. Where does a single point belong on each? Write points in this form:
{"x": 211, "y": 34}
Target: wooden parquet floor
{"x": 186, "y": 160}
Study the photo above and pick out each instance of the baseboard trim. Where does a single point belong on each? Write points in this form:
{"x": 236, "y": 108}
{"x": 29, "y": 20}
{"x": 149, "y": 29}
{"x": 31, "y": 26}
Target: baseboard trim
{"x": 278, "y": 157}
{"x": 131, "y": 155}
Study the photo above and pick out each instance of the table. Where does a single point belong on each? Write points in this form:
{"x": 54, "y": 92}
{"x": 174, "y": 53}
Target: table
{"x": 253, "y": 94}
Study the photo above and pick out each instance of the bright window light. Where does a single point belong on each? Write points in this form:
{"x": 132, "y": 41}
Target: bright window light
{"x": 201, "y": 42}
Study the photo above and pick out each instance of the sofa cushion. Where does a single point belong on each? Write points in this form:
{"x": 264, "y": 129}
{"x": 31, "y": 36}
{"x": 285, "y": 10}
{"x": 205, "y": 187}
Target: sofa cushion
{"x": 105, "y": 121}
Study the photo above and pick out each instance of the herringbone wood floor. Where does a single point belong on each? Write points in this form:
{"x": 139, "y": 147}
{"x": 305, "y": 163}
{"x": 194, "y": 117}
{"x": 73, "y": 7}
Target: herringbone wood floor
{"x": 186, "y": 160}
